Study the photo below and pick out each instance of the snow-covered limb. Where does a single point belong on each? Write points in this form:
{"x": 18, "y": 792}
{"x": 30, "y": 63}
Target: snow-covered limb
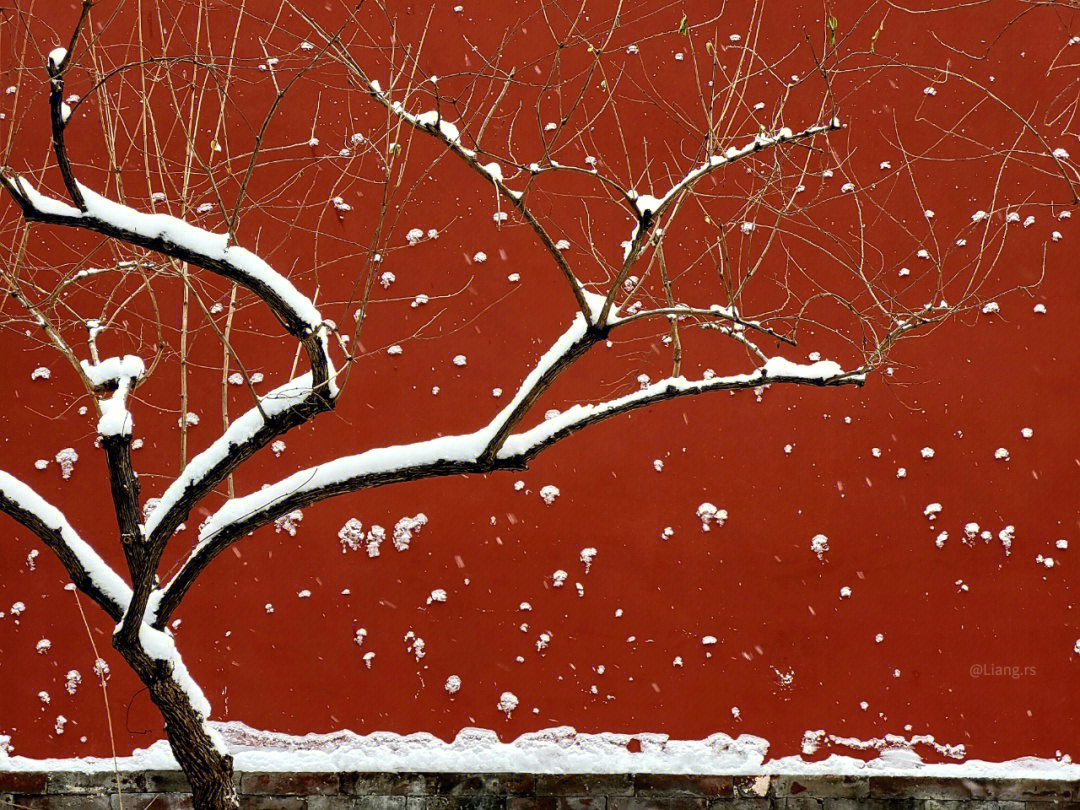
{"x": 177, "y": 238}
{"x": 653, "y": 207}
{"x": 571, "y": 345}
{"x": 714, "y": 312}
{"x": 433, "y": 123}
{"x": 159, "y": 645}
{"x": 181, "y": 240}
{"x": 648, "y": 209}
{"x": 87, "y": 570}
{"x": 285, "y": 407}
{"x": 526, "y": 445}
{"x": 454, "y": 455}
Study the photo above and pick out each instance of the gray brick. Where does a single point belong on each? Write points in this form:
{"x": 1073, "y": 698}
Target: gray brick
{"x": 743, "y": 803}
{"x": 657, "y": 803}
{"x": 480, "y": 802}
{"x": 430, "y": 803}
{"x": 388, "y": 784}
{"x": 862, "y": 803}
{"x": 273, "y": 803}
{"x": 289, "y": 784}
{"x": 840, "y": 787}
{"x": 153, "y": 801}
{"x": 583, "y": 784}
{"x": 475, "y": 784}
{"x": 73, "y": 783}
{"x": 557, "y": 803}
{"x": 1040, "y": 790}
{"x": 707, "y": 787}
{"x": 355, "y": 803}
{"x": 54, "y": 802}
{"x": 165, "y": 782}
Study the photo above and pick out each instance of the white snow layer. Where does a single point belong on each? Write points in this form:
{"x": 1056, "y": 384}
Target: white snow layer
{"x": 466, "y": 447}
{"x": 214, "y": 246}
{"x": 240, "y": 431}
{"x": 555, "y": 750}
{"x": 105, "y": 578}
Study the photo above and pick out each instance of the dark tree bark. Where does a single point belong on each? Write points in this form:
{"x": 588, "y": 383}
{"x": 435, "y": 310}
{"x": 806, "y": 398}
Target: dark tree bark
{"x": 208, "y": 771}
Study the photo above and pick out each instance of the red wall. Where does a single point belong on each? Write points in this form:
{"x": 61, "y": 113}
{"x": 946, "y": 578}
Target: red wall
{"x": 754, "y": 584}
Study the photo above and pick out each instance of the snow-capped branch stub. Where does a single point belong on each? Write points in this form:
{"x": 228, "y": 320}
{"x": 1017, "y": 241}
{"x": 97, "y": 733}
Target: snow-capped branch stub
{"x": 56, "y": 57}
{"x": 15, "y": 493}
{"x": 112, "y": 370}
{"x": 121, "y": 374}
{"x": 175, "y": 231}
{"x": 115, "y": 418}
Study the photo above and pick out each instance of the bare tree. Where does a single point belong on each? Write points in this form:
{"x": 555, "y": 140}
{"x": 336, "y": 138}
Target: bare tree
{"x": 686, "y": 287}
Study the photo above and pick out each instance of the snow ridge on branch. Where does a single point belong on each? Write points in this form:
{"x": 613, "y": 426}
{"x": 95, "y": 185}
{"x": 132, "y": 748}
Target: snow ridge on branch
{"x": 84, "y": 565}
{"x": 490, "y": 448}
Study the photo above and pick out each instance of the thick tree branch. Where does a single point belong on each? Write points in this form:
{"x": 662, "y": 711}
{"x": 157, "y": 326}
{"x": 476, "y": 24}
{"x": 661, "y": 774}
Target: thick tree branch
{"x": 180, "y": 240}
{"x": 91, "y": 574}
{"x": 449, "y": 455}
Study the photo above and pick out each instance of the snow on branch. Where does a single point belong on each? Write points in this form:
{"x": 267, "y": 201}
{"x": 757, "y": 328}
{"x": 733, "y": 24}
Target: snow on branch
{"x": 527, "y": 444}
{"x": 648, "y": 209}
{"x": 460, "y": 454}
{"x": 84, "y": 565}
{"x": 433, "y": 123}
{"x": 121, "y": 374}
{"x": 652, "y": 207}
{"x": 174, "y": 237}
{"x": 283, "y": 408}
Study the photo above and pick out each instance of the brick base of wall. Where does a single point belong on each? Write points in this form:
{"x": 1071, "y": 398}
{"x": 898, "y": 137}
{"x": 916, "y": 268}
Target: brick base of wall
{"x": 168, "y": 790}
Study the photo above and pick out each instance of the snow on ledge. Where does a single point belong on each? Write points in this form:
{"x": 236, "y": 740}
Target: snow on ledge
{"x": 554, "y": 750}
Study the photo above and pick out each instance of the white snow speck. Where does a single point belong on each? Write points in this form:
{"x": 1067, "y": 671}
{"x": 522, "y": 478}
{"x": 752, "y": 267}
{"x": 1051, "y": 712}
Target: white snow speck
{"x": 66, "y": 458}
{"x": 289, "y": 523}
{"x": 507, "y": 703}
{"x": 708, "y": 514}
{"x": 587, "y": 555}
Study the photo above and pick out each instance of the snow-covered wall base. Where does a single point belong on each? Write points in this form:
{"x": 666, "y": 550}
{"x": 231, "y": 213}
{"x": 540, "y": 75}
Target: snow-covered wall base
{"x": 166, "y": 790}
{"x": 554, "y": 769}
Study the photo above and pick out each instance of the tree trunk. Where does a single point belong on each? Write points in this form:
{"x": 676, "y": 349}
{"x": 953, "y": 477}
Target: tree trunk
{"x": 208, "y": 771}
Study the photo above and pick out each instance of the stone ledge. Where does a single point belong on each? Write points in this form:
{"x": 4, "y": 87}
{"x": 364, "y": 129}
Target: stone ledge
{"x": 168, "y": 790}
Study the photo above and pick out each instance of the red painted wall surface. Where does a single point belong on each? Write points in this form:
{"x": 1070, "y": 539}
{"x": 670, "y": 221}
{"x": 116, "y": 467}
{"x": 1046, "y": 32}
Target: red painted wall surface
{"x": 912, "y": 651}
